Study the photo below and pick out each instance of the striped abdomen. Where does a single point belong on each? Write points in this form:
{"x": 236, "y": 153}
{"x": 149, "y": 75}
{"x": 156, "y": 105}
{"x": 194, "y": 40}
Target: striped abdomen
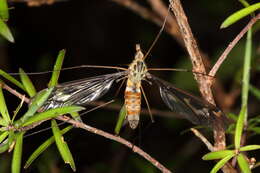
{"x": 133, "y": 103}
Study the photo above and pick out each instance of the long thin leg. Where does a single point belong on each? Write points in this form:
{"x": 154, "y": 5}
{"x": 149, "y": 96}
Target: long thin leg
{"x": 147, "y": 103}
{"x": 117, "y": 91}
{"x": 75, "y": 67}
{"x": 177, "y": 69}
{"x": 168, "y": 69}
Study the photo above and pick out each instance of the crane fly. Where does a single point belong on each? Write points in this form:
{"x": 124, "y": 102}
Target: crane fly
{"x": 80, "y": 92}
{"x": 83, "y": 91}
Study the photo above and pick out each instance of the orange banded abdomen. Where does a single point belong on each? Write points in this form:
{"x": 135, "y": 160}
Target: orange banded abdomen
{"x": 133, "y": 105}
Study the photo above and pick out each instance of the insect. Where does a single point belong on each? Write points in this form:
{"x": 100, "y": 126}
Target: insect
{"x": 83, "y": 91}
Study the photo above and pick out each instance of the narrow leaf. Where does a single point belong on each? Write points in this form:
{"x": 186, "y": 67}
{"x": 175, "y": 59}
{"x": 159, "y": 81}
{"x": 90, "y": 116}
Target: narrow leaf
{"x": 3, "y": 136}
{"x": 255, "y": 91}
{"x": 4, "y": 146}
{"x": 62, "y": 145}
{"x": 3, "y": 122}
{"x": 239, "y": 15}
{"x": 76, "y": 116}
{"x": 56, "y": 69}
{"x": 11, "y": 79}
{"x": 37, "y": 102}
{"x": 120, "y": 120}
{"x": 3, "y": 107}
{"x": 244, "y": 3}
{"x": 255, "y": 129}
{"x": 218, "y": 154}
{"x": 239, "y": 127}
{"x": 246, "y": 71}
{"x": 250, "y": 147}
{"x": 43, "y": 147}
{"x": 221, "y": 163}
{"x": 27, "y": 83}
{"x": 17, "y": 154}
{"x": 52, "y": 113}
{"x": 4, "y": 12}
{"x": 11, "y": 140}
{"x": 5, "y": 31}
{"x": 243, "y": 164}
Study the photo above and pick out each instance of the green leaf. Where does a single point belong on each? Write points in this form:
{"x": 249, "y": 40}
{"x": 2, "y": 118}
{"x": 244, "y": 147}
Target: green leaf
{"x": 250, "y": 147}
{"x": 3, "y": 108}
{"x": 3, "y": 122}
{"x": 246, "y": 71}
{"x": 3, "y": 136}
{"x": 4, "y": 146}
{"x": 17, "y": 154}
{"x": 27, "y": 83}
{"x": 37, "y": 102}
{"x": 218, "y": 154}
{"x": 4, "y": 12}
{"x": 255, "y": 129}
{"x": 239, "y": 127}
{"x": 221, "y": 163}
{"x": 255, "y": 91}
{"x": 57, "y": 68}
{"x": 120, "y": 120}
{"x": 232, "y": 116}
{"x": 244, "y": 3}
{"x": 62, "y": 145}
{"x": 5, "y": 31}
{"x": 11, "y": 79}
{"x": 43, "y": 147}
{"x": 52, "y": 113}
{"x": 75, "y": 116}
{"x": 243, "y": 164}
{"x": 239, "y": 15}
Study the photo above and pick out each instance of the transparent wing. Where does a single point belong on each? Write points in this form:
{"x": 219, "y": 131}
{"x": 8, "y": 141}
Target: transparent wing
{"x": 196, "y": 110}
{"x": 82, "y": 91}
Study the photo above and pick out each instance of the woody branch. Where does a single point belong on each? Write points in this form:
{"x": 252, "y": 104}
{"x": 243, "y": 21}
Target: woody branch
{"x": 94, "y": 130}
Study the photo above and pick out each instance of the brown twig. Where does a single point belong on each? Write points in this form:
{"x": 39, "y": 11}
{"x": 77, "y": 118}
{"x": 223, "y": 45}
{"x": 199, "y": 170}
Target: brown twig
{"x": 224, "y": 55}
{"x": 203, "y": 139}
{"x": 93, "y": 130}
{"x": 36, "y": 3}
{"x": 192, "y": 48}
{"x": 115, "y": 138}
{"x": 14, "y": 92}
{"x": 204, "y": 82}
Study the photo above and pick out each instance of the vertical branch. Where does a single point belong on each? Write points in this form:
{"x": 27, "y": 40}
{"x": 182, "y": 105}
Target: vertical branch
{"x": 203, "y": 80}
{"x": 193, "y": 50}
{"x": 198, "y": 66}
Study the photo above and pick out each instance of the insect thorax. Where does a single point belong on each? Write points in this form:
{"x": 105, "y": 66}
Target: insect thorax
{"x": 137, "y": 69}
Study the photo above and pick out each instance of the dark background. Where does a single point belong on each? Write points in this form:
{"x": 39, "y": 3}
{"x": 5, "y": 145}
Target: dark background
{"x": 105, "y": 33}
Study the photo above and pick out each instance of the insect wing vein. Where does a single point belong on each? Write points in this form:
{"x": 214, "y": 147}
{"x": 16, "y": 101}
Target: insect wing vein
{"x": 80, "y": 92}
{"x": 196, "y": 110}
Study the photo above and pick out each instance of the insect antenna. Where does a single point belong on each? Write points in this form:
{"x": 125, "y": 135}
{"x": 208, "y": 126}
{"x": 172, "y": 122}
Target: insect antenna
{"x": 147, "y": 103}
{"x": 86, "y": 112}
{"x": 158, "y": 35}
{"x": 71, "y": 68}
